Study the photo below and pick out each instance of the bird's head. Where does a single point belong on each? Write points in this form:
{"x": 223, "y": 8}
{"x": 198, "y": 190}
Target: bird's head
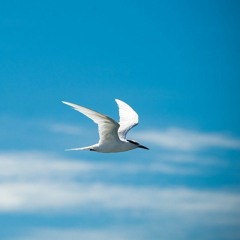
{"x": 137, "y": 144}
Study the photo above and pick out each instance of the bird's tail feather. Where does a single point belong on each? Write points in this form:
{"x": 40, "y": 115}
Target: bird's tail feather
{"x": 77, "y": 149}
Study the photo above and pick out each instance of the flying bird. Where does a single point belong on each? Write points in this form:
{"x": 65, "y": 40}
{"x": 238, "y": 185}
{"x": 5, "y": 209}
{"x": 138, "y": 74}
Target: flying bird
{"x": 112, "y": 135}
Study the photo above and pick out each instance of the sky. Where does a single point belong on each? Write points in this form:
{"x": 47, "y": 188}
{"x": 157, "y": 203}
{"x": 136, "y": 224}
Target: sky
{"x": 176, "y": 63}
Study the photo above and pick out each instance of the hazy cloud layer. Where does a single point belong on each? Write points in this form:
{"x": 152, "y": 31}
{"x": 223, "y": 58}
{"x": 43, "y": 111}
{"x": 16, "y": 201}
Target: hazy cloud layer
{"x": 42, "y": 183}
{"x": 38, "y": 165}
{"x": 38, "y": 196}
{"x": 65, "y": 128}
{"x": 33, "y": 181}
{"x": 188, "y": 140}
{"x": 76, "y": 234}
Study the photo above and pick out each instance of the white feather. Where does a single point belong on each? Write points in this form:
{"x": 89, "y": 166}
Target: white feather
{"x": 128, "y": 118}
{"x": 112, "y": 136}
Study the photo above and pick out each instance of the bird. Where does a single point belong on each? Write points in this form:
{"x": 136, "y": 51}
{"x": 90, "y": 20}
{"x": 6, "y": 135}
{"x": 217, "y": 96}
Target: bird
{"x": 112, "y": 135}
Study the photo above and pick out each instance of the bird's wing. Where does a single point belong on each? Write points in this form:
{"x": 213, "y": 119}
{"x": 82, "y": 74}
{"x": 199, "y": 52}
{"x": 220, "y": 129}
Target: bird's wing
{"x": 107, "y": 127}
{"x": 128, "y": 118}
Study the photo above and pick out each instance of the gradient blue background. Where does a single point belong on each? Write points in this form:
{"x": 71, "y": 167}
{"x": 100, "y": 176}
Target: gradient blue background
{"x": 176, "y": 63}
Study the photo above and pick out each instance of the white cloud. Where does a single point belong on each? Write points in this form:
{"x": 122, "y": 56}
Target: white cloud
{"x": 182, "y": 158}
{"x": 34, "y": 181}
{"x": 76, "y": 234}
{"x": 65, "y": 128}
{"x": 38, "y": 165}
{"x": 40, "y": 183}
{"x": 186, "y": 140}
{"x": 180, "y": 229}
{"x": 40, "y": 196}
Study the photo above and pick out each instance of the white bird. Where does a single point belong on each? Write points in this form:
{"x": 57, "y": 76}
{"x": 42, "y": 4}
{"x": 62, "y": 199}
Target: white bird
{"x": 112, "y": 135}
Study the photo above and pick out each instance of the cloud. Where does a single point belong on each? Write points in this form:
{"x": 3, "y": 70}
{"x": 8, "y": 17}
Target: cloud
{"x": 65, "y": 128}
{"x": 38, "y": 165}
{"x": 43, "y": 184}
{"x": 33, "y": 181}
{"x": 186, "y": 140}
{"x": 40, "y": 196}
{"x": 180, "y": 230}
{"x": 181, "y": 159}
{"x": 76, "y": 234}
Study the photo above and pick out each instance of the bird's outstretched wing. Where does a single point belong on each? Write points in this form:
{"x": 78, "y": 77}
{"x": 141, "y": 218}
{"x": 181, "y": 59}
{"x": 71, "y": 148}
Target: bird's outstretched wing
{"x": 128, "y": 118}
{"x": 107, "y": 127}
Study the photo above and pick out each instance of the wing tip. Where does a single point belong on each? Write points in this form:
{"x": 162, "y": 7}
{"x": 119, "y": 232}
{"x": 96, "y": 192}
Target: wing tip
{"x": 69, "y": 104}
{"x": 64, "y": 102}
{"x": 118, "y": 101}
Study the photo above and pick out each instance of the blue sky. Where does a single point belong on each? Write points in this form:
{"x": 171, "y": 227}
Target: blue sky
{"x": 176, "y": 63}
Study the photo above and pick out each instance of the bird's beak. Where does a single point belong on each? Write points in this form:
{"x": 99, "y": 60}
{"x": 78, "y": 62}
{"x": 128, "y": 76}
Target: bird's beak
{"x": 141, "y": 146}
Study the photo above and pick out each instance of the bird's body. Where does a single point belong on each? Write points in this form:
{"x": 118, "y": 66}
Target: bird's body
{"x": 112, "y": 134}
{"x": 110, "y": 147}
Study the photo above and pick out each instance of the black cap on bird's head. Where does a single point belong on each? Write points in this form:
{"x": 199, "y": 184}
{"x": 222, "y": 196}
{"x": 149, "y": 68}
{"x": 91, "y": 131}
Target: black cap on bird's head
{"x": 137, "y": 144}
